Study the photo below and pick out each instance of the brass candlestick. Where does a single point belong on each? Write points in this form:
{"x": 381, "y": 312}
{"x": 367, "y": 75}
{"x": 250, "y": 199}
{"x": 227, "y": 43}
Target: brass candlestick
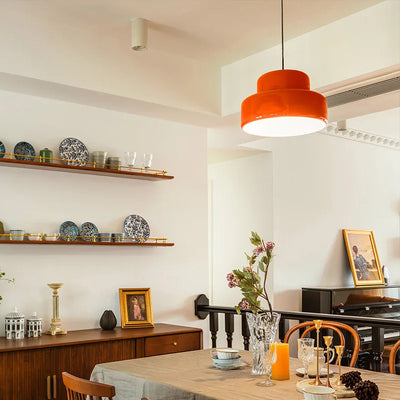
{"x": 317, "y": 381}
{"x": 339, "y": 352}
{"x": 55, "y": 325}
{"x": 328, "y": 342}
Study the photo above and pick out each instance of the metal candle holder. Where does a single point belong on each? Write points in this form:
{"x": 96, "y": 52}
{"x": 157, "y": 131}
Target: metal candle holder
{"x": 328, "y": 342}
{"x": 55, "y": 325}
{"x": 339, "y": 352}
{"x": 317, "y": 381}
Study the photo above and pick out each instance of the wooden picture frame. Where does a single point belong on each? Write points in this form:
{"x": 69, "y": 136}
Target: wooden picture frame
{"x": 135, "y": 306}
{"x": 363, "y": 257}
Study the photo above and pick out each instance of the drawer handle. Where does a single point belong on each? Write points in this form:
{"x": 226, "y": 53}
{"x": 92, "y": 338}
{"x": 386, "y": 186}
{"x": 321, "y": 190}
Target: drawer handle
{"x": 175, "y": 343}
{"x": 48, "y": 388}
{"x": 54, "y": 386}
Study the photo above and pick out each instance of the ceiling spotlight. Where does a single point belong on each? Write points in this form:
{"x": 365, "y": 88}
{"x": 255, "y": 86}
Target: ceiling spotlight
{"x": 139, "y": 34}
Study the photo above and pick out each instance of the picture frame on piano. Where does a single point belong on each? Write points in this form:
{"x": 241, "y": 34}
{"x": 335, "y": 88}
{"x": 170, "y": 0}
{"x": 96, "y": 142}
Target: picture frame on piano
{"x": 363, "y": 257}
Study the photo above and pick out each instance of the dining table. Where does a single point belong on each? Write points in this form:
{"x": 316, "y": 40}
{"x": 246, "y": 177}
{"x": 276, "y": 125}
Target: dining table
{"x": 192, "y": 376}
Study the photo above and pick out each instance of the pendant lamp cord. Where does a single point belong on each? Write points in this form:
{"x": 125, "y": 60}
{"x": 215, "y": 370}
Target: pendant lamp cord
{"x": 283, "y": 55}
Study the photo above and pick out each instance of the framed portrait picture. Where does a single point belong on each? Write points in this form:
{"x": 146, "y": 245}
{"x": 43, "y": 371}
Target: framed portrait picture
{"x": 135, "y": 307}
{"x": 363, "y": 257}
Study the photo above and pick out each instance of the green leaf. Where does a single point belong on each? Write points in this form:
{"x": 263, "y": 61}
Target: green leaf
{"x": 261, "y": 266}
{"x": 255, "y": 239}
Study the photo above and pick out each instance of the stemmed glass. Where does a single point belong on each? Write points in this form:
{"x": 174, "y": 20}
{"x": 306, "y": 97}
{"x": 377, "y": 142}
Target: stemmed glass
{"x": 305, "y": 352}
{"x": 270, "y": 359}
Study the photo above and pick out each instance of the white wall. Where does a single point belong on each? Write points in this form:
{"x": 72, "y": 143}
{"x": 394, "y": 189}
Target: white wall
{"x": 39, "y": 201}
{"x": 323, "y": 184}
{"x": 241, "y": 202}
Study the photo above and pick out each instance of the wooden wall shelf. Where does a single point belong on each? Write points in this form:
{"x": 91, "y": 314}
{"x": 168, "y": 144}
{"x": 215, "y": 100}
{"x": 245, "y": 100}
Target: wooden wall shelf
{"x": 146, "y": 175}
{"x": 81, "y": 242}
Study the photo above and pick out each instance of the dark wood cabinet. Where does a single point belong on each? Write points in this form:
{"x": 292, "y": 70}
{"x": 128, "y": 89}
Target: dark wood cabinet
{"x": 31, "y": 368}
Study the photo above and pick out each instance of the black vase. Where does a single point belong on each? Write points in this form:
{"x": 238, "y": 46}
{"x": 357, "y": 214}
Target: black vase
{"x": 108, "y": 321}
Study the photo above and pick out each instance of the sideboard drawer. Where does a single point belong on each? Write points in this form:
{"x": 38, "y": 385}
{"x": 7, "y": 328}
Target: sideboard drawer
{"x": 172, "y": 344}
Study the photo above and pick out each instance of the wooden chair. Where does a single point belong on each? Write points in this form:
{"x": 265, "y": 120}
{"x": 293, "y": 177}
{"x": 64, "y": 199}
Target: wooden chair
{"x": 82, "y": 389}
{"x": 392, "y": 357}
{"x": 335, "y": 326}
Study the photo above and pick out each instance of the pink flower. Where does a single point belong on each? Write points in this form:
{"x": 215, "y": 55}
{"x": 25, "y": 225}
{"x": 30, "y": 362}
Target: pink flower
{"x": 244, "y": 305}
{"x": 258, "y": 250}
{"x": 232, "y": 284}
{"x": 230, "y": 277}
{"x": 270, "y": 246}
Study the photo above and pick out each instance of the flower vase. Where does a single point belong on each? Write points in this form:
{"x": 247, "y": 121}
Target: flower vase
{"x": 263, "y": 329}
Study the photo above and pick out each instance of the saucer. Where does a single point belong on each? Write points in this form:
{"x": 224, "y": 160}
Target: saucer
{"x": 236, "y": 366}
{"x": 227, "y": 363}
{"x": 324, "y": 371}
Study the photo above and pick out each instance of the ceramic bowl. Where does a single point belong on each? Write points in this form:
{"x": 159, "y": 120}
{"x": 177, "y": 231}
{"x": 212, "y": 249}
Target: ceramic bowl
{"x": 34, "y": 236}
{"x": 104, "y": 237}
{"x": 118, "y": 237}
{"x": 226, "y": 354}
{"x": 52, "y": 237}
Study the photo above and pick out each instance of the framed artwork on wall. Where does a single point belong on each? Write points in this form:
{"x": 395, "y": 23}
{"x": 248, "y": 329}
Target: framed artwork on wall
{"x": 135, "y": 305}
{"x": 363, "y": 257}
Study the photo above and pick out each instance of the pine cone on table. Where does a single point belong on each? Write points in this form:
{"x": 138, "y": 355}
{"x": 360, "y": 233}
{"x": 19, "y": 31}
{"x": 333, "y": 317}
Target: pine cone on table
{"x": 350, "y": 379}
{"x": 366, "y": 390}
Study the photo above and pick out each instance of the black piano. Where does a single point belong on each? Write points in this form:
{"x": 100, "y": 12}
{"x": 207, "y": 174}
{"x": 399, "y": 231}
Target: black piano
{"x": 367, "y": 301}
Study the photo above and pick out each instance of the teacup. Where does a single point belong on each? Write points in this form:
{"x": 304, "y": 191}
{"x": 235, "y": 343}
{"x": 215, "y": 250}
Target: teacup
{"x": 319, "y": 393}
{"x": 225, "y": 354}
{"x": 52, "y": 237}
{"x": 312, "y": 369}
{"x": 17, "y": 234}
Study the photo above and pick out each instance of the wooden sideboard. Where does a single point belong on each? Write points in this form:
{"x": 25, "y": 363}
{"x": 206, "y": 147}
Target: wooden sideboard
{"x": 31, "y": 368}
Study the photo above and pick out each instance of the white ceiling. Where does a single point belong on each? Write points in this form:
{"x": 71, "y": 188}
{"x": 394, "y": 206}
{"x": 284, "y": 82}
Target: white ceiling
{"x": 218, "y": 31}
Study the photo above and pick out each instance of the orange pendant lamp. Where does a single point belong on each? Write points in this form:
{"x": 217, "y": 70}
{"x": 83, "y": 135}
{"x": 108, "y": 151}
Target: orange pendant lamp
{"x": 284, "y": 105}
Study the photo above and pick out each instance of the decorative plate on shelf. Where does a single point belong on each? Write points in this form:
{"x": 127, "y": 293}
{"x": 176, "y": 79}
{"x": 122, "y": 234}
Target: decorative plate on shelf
{"x": 136, "y": 227}
{"x": 74, "y": 150}
{"x": 2, "y": 149}
{"x": 24, "y": 151}
{"x": 88, "y": 231}
{"x": 69, "y": 228}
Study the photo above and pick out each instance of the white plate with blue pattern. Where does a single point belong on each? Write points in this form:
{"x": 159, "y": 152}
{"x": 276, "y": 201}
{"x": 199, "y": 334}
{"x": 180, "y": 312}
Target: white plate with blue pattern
{"x": 2, "y": 149}
{"x": 136, "y": 228}
{"x": 88, "y": 231}
{"x": 74, "y": 150}
{"x": 69, "y": 231}
{"x": 24, "y": 151}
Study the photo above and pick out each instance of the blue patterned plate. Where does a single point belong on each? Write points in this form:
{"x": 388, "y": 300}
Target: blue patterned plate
{"x": 88, "y": 231}
{"x": 68, "y": 228}
{"x": 23, "y": 151}
{"x": 136, "y": 227}
{"x": 2, "y": 149}
{"x": 73, "y": 149}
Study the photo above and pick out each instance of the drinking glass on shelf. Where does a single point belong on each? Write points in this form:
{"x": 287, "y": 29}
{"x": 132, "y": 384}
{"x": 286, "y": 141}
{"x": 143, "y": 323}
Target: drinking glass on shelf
{"x": 305, "y": 353}
{"x": 147, "y": 159}
{"x": 270, "y": 359}
{"x": 130, "y": 158}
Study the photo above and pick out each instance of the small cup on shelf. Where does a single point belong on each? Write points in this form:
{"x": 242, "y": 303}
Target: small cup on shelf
{"x": 99, "y": 159}
{"x": 113, "y": 162}
{"x": 17, "y": 234}
{"x": 104, "y": 237}
{"x": 52, "y": 237}
{"x": 35, "y": 236}
{"x": 118, "y": 237}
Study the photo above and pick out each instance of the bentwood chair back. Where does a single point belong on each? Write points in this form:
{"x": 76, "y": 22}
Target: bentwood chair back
{"x": 335, "y": 326}
{"x": 392, "y": 357}
{"x": 82, "y": 389}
